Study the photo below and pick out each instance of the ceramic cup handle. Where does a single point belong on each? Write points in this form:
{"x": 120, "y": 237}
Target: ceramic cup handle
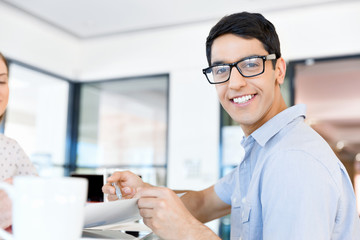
{"x": 9, "y": 189}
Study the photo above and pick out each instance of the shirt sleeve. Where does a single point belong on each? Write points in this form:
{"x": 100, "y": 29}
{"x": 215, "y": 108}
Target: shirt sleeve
{"x": 299, "y": 198}
{"x": 24, "y": 166}
{"x": 225, "y": 186}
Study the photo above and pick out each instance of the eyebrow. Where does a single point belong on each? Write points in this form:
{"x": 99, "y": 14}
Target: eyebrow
{"x": 2, "y": 75}
{"x": 241, "y": 59}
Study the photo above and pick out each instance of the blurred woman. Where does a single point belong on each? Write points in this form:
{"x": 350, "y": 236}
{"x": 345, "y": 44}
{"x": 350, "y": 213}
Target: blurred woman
{"x": 13, "y": 160}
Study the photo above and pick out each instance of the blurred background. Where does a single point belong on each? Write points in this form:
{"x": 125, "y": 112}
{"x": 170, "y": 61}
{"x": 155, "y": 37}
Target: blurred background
{"x": 98, "y": 86}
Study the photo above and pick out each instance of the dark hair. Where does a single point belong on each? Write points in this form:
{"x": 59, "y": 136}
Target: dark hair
{"x": 246, "y": 25}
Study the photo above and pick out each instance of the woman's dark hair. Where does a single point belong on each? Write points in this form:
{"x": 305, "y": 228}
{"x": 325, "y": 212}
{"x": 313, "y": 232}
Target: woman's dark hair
{"x": 246, "y": 25}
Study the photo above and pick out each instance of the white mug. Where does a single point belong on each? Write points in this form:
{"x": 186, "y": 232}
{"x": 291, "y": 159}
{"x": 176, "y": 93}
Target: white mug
{"x": 46, "y": 208}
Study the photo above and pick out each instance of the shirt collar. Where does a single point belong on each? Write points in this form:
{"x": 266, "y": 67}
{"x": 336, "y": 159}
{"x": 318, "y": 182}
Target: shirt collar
{"x": 278, "y": 122}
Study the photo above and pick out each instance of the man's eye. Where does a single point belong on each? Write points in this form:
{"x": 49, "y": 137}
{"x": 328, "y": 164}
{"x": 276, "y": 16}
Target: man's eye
{"x": 250, "y": 65}
{"x": 220, "y": 70}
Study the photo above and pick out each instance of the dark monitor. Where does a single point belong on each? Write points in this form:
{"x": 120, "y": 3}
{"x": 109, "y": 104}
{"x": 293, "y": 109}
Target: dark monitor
{"x": 96, "y": 182}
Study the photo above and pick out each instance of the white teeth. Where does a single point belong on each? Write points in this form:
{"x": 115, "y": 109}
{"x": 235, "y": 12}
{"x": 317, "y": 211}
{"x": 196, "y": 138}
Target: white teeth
{"x": 243, "y": 99}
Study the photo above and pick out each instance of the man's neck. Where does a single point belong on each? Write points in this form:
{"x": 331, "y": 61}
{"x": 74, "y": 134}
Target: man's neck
{"x": 280, "y": 106}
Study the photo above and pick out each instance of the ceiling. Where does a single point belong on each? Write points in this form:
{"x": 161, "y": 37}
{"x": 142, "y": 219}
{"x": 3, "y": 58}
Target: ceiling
{"x": 97, "y": 18}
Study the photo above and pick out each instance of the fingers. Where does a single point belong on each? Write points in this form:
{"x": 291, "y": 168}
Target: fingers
{"x": 115, "y": 177}
{"x": 125, "y": 180}
{"x": 120, "y": 176}
{"x": 108, "y": 189}
{"x": 154, "y": 199}
{"x": 112, "y": 197}
{"x": 148, "y": 221}
{"x": 158, "y": 209}
{"x": 9, "y": 180}
{"x": 146, "y": 212}
{"x": 148, "y": 202}
{"x": 153, "y": 192}
{"x": 128, "y": 192}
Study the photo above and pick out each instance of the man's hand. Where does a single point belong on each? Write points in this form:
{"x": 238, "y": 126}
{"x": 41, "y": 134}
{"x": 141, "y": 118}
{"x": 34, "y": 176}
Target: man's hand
{"x": 163, "y": 211}
{"x": 127, "y": 181}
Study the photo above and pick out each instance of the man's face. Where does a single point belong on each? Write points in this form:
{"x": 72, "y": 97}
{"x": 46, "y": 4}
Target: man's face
{"x": 257, "y": 99}
{"x": 4, "y": 87}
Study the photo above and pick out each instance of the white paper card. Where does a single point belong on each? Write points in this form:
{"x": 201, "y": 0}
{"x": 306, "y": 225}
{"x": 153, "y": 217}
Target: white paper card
{"x": 97, "y": 214}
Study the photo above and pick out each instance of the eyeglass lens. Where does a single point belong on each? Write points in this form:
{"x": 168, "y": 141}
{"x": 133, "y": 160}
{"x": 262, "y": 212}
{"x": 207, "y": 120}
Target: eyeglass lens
{"x": 247, "y": 68}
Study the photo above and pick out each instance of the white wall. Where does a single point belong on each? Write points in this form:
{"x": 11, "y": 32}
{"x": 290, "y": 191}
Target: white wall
{"x": 34, "y": 42}
{"x": 194, "y": 110}
{"x": 323, "y": 31}
{"x": 326, "y": 30}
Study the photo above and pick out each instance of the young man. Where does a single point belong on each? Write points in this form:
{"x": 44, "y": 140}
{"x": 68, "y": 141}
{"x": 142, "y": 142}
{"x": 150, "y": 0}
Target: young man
{"x": 289, "y": 185}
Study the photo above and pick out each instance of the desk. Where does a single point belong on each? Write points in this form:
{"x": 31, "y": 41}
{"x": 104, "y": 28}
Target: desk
{"x": 112, "y": 234}
{"x": 105, "y": 234}
{"x": 119, "y": 231}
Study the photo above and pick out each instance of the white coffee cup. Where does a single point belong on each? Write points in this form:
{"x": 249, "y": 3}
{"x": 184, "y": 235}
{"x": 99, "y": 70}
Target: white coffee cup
{"x": 46, "y": 208}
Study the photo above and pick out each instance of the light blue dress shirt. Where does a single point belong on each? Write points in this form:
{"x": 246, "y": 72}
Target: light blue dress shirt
{"x": 290, "y": 185}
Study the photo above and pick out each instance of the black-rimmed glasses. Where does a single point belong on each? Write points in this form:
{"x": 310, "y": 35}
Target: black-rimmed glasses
{"x": 247, "y": 67}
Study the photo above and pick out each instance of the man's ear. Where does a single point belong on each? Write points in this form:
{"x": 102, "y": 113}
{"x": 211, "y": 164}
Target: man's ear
{"x": 280, "y": 70}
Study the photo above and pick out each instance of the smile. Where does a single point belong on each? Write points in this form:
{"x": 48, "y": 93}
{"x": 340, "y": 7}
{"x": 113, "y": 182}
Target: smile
{"x": 243, "y": 99}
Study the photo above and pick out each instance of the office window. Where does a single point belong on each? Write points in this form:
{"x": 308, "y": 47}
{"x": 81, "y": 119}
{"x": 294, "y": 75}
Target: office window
{"x": 330, "y": 89}
{"x": 36, "y": 117}
{"x": 123, "y": 125}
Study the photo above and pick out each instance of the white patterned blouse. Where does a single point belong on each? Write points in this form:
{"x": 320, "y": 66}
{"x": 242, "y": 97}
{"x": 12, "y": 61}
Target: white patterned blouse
{"x": 13, "y": 159}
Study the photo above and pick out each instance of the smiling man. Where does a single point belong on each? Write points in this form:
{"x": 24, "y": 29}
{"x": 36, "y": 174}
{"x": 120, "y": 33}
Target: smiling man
{"x": 252, "y": 96}
{"x": 289, "y": 185}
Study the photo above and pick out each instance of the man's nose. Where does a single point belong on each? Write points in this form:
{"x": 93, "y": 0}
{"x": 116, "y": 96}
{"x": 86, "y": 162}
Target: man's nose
{"x": 236, "y": 80}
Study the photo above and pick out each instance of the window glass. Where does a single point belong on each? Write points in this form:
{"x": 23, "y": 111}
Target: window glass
{"x": 36, "y": 117}
{"x": 330, "y": 90}
{"x": 123, "y": 124}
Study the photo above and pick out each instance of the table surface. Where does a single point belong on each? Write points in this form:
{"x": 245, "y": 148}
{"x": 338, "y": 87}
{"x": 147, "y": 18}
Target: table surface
{"x": 90, "y": 234}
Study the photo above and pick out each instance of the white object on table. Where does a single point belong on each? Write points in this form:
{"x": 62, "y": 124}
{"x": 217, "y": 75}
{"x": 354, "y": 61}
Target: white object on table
{"x": 46, "y": 208}
{"x": 104, "y": 213}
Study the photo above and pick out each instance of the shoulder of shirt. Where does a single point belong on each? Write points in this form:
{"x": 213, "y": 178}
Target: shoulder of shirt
{"x": 300, "y": 136}
{"x": 11, "y": 141}
{"x": 5, "y": 138}
{"x": 301, "y": 139}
